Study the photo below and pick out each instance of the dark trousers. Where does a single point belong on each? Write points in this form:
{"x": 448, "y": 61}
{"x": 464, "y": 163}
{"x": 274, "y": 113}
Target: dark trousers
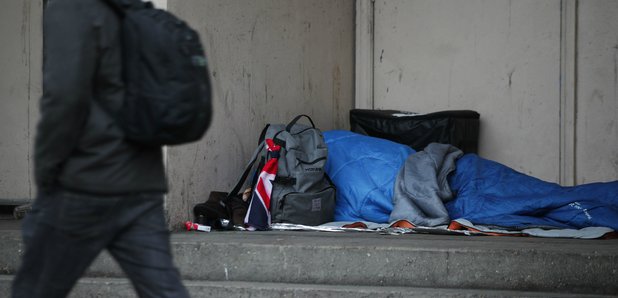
{"x": 65, "y": 231}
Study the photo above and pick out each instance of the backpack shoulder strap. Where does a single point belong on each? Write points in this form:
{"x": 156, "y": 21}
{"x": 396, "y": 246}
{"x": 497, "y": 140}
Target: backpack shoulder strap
{"x": 254, "y": 157}
{"x": 245, "y": 174}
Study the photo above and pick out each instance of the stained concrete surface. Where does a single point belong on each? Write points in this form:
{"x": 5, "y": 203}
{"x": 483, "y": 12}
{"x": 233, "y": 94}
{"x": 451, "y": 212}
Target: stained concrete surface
{"x": 370, "y": 259}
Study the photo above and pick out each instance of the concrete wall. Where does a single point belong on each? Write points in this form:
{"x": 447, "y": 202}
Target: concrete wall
{"x": 161, "y": 4}
{"x": 596, "y": 119}
{"x": 270, "y": 60}
{"x": 20, "y": 89}
{"x": 542, "y": 74}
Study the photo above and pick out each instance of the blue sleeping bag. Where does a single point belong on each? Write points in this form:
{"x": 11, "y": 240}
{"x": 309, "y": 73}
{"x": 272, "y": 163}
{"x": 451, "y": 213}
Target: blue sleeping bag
{"x": 364, "y": 170}
{"x": 489, "y": 193}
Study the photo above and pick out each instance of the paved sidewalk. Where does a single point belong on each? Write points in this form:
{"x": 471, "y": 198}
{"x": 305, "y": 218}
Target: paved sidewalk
{"x": 370, "y": 259}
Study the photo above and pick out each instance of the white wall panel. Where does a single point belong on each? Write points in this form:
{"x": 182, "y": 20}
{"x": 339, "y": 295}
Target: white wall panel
{"x": 270, "y": 60}
{"x": 20, "y": 64}
{"x": 498, "y": 57}
{"x": 597, "y": 97}
{"x": 161, "y": 4}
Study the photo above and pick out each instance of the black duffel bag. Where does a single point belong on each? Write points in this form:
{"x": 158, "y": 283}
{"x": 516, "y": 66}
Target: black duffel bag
{"x": 458, "y": 128}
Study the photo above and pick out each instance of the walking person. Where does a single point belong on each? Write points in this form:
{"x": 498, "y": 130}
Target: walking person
{"x": 95, "y": 189}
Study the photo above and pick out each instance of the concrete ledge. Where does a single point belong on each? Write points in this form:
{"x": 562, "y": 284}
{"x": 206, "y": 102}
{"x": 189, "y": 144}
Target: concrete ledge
{"x": 121, "y": 288}
{"x": 429, "y": 261}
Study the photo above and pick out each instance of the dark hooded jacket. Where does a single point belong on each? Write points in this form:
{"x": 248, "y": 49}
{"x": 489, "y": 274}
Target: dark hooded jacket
{"x": 78, "y": 145}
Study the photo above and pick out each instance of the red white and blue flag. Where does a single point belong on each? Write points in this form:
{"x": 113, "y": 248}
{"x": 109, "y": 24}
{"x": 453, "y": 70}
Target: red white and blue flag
{"x": 258, "y": 215}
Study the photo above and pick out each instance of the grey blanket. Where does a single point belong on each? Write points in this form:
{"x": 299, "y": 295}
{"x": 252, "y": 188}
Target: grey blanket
{"x": 421, "y": 187}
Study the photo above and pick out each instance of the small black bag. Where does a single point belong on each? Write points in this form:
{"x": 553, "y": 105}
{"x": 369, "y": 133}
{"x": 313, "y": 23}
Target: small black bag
{"x": 218, "y": 207}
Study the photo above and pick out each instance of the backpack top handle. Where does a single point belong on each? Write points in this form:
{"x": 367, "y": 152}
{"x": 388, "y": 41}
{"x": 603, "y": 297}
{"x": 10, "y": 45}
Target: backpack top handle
{"x": 288, "y": 128}
{"x": 121, "y": 6}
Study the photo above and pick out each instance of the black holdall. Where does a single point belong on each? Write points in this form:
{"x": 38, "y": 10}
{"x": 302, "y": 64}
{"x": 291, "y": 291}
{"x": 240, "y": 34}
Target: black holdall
{"x": 167, "y": 86}
{"x": 459, "y": 128}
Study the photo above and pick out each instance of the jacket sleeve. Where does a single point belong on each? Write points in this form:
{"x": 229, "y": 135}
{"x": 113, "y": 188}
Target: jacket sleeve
{"x": 70, "y": 54}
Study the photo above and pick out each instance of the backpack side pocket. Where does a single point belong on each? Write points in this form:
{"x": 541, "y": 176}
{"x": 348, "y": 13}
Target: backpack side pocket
{"x": 309, "y": 209}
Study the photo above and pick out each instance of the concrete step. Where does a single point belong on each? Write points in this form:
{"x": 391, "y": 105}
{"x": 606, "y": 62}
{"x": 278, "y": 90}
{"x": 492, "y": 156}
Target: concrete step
{"x": 121, "y": 288}
{"x": 355, "y": 259}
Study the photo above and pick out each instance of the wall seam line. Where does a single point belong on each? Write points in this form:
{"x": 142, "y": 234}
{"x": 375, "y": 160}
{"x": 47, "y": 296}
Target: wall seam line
{"x": 568, "y": 93}
{"x": 575, "y": 85}
{"x": 29, "y": 150}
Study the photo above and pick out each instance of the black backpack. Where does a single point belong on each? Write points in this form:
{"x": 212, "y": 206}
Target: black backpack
{"x": 167, "y": 86}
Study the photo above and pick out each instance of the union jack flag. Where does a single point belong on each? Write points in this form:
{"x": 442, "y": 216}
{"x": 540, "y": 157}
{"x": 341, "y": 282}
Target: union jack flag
{"x": 258, "y": 215}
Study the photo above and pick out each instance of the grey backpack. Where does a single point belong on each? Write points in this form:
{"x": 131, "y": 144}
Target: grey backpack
{"x": 302, "y": 193}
